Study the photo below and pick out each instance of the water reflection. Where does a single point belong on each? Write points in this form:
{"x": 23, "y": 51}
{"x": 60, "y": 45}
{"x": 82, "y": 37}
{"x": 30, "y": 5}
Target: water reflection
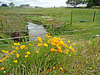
{"x": 36, "y": 31}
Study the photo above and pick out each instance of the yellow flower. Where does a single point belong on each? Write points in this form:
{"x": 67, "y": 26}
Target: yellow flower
{"x": 60, "y": 51}
{"x": 6, "y": 51}
{"x": 11, "y": 53}
{"x": 45, "y": 44}
{"x": 53, "y": 43}
{"x": 39, "y": 38}
{"x": 69, "y": 55}
{"x": 53, "y": 67}
{"x": 82, "y": 45}
{"x": 27, "y": 52}
{"x": 67, "y": 50}
{"x": 26, "y": 56}
{"x": 4, "y": 58}
{"x": 12, "y": 46}
{"x": 65, "y": 45}
{"x": 15, "y": 61}
{"x": 61, "y": 42}
{"x": 59, "y": 47}
{"x": 16, "y": 48}
{"x": 37, "y": 51}
{"x": 61, "y": 68}
{"x": 14, "y": 51}
{"x": 48, "y": 35}
{"x": 39, "y": 44}
{"x": 68, "y": 41}
{"x": 73, "y": 44}
{"x": 72, "y": 49}
{"x": 23, "y": 46}
{"x": 31, "y": 36}
{"x": 17, "y": 55}
{"x": 3, "y": 50}
{"x": 57, "y": 59}
{"x": 48, "y": 70}
{"x": 29, "y": 44}
{"x": 16, "y": 43}
{"x": 0, "y": 60}
{"x": 52, "y": 49}
{"x": 49, "y": 40}
{"x": 2, "y": 68}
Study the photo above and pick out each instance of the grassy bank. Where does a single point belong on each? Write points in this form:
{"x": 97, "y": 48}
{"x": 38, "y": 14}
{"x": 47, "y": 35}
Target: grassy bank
{"x": 67, "y": 53}
{"x": 52, "y": 55}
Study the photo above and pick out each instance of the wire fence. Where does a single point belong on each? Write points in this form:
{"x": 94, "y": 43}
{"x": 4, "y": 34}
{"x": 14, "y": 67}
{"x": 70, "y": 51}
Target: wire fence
{"x": 51, "y": 33}
{"x": 46, "y": 33}
{"x": 13, "y": 22}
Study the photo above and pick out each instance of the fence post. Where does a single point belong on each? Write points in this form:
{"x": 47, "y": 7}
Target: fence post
{"x": 71, "y": 18}
{"x": 2, "y": 25}
{"x": 52, "y": 28}
{"x": 94, "y": 16}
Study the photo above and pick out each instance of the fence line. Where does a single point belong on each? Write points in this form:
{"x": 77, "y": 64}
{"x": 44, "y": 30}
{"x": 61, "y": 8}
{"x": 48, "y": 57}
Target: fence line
{"x": 83, "y": 29}
{"x": 18, "y": 31}
{"x": 13, "y": 31}
{"x": 46, "y": 33}
{"x": 13, "y": 38}
{"x": 21, "y": 37}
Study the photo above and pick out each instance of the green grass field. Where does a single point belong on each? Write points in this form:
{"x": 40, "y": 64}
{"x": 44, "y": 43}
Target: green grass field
{"x": 65, "y": 53}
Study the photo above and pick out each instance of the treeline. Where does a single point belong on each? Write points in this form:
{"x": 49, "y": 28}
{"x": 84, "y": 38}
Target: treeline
{"x": 90, "y": 3}
{"x": 11, "y": 4}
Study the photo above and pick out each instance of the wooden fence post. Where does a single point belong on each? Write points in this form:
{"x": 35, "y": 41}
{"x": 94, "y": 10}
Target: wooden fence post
{"x": 52, "y": 28}
{"x": 94, "y": 16}
{"x": 71, "y": 18}
{"x": 2, "y": 25}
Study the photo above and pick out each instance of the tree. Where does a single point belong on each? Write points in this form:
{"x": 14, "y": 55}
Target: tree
{"x": 4, "y": 5}
{"x": 24, "y": 5}
{"x": 74, "y": 2}
{"x": 91, "y": 3}
{"x": 11, "y": 4}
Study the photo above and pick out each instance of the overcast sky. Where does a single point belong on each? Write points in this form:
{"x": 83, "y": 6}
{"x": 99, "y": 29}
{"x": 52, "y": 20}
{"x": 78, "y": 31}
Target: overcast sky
{"x": 42, "y": 3}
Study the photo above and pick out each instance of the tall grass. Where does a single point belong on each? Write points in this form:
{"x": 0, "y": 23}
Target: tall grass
{"x": 51, "y": 55}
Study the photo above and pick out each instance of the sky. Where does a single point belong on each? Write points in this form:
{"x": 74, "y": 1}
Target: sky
{"x": 41, "y": 3}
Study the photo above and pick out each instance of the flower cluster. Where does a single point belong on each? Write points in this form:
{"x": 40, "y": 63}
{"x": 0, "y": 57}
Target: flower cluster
{"x": 22, "y": 53}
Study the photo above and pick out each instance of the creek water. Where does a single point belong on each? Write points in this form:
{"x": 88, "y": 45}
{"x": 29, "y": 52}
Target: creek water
{"x": 36, "y": 31}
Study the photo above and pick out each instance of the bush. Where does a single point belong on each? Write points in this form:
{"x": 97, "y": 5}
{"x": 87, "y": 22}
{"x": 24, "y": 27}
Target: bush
{"x": 96, "y": 7}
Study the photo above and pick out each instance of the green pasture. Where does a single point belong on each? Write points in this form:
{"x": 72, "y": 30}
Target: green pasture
{"x": 86, "y": 43}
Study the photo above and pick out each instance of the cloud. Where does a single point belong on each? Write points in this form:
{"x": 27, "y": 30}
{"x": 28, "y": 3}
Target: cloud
{"x": 42, "y": 3}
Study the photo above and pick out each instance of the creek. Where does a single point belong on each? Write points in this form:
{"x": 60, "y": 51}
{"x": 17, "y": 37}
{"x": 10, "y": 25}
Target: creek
{"x": 36, "y": 31}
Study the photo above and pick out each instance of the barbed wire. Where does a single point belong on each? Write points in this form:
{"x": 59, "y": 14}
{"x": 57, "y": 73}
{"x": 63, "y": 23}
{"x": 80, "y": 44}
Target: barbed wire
{"x": 47, "y": 33}
{"x": 83, "y": 29}
{"x": 23, "y": 36}
{"x": 13, "y": 38}
{"x": 13, "y": 31}
{"x": 21, "y": 30}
